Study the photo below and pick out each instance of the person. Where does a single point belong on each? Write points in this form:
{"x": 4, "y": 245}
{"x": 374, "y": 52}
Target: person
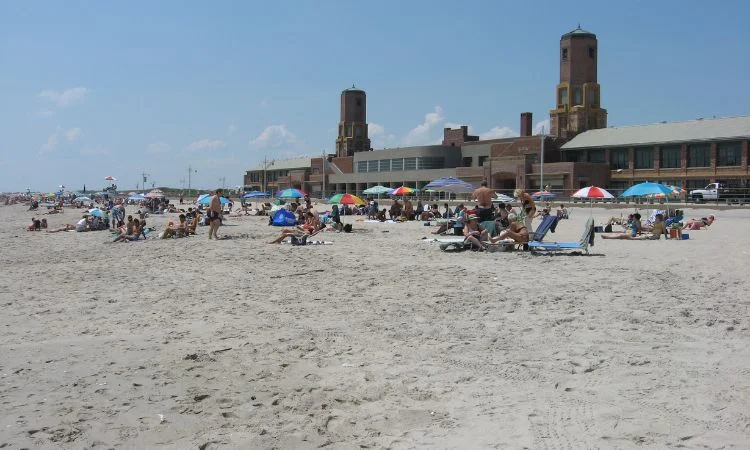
{"x": 336, "y": 218}
{"x": 395, "y": 211}
{"x": 380, "y": 216}
{"x": 483, "y": 196}
{"x": 308, "y": 229}
{"x": 447, "y": 211}
{"x": 631, "y": 233}
{"x": 67, "y": 227}
{"x": 516, "y": 231}
{"x": 475, "y": 233}
{"x": 408, "y": 209}
{"x": 214, "y": 214}
{"x": 420, "y": 209}
{"x": 528, "y": 205}
{"x": 562, "y": 213}
{"x": 131, "y": 233}
{"x": 82, "y": 225}
{"x": 697, "y": 224}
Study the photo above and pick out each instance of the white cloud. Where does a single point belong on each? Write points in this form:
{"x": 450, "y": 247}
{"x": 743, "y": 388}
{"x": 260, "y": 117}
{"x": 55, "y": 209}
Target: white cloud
{"x": 51, "y": 144}
{"x": 497, "y": 133}
{"x": 205, "y": 144}
{"x": 73, "y": 134}
{"x": 65, "y": 98}
{"x": 94, "y": 151}
{"x": 542, "y": 126}
{"x": 420, "y": 134}
{"x": 274, "y": 136}
{"x": 159, "y": 147}
{"x": 375, "y": 130}
{"x": 378, "y": 136}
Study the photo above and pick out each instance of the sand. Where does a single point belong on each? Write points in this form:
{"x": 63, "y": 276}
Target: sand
{"x": 378, "y": 340}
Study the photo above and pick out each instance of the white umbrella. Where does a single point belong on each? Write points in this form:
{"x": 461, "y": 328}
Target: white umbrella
{"x": 592, "y": 192}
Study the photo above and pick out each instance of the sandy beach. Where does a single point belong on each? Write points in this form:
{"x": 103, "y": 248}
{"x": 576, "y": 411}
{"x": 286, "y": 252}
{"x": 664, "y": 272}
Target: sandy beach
{"x": 379, "y": 340}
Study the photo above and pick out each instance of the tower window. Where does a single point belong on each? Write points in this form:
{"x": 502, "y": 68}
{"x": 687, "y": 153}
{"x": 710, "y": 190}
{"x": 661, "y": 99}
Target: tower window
{"x": 565, "y": 54}
{"x": 591, "y": 52}
{"x": 359, "y": 100}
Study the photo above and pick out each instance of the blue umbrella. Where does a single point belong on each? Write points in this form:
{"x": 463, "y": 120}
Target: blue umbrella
{"x": 255, "y": 194}
{"x": 290, "y": 193}
{"x": 450, "y": 184}
{"x": 96, "y": 212}
{"x": 647, "y": 188}
{"x": 207, "y": 199}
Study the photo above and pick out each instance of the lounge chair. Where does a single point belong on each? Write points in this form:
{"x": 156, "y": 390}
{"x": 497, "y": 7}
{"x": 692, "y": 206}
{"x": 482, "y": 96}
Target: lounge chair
{"x": 587, "y": 239}
{"x": 547, "y": 223}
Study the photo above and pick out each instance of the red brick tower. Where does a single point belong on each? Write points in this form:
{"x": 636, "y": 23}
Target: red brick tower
{"x": 578, "y": 105}
{"x": 353, "y": 124}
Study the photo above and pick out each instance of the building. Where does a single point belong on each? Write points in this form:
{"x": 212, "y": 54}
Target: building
{"x": 579, "y": 151}
{"x": 689, "y": 154}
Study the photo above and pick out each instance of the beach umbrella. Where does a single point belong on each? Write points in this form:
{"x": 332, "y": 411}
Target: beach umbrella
{"x": 137, "y": 197}
{"x": 290, "y": 193}
{"x": 346, "y": 199}
{"x": 376, "y": 190}
{"x": 96, "y": 212}
{"x": 110, "y": 178}
{"x": 206, "y": 199}
{"x": 450, "y": 184}
{"x": 255, "y": 194}
{"x": 504, "y": 198}
{"x": 592, "y": 192}
{"x": 646, "y": 188}
{"x": 402, "y": 190}
{"x": 155, "y": 195}
{"x": 82, "y": 199}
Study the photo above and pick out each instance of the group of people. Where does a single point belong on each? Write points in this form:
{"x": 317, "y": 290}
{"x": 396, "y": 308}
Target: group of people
{"x": 635, "y": 229}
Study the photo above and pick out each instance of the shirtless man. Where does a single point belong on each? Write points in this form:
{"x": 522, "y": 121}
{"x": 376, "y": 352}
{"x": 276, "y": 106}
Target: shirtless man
{"x": 483, "y": 196}
{"x": 214, "y": 214}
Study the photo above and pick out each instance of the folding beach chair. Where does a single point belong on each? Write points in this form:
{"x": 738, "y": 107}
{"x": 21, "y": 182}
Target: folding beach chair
{"x": 587, "y": 239}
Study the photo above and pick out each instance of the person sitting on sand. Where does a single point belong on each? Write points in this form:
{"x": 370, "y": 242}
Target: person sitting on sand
{"x": 380, "y": 216}
{"x": 562, "y": 213}
{"x": 657, "y": 230}
{"x": 286, "y": 232}
{"x": 336, "y": 218}
{"x": 395, "y": 211}
{"x": 132, "y": 232}
{"x": 475, "y": 233}
{"x": 408, "y": 210}
{"x": 82, "y": 225}
{"x": 516, "y": 231}
{"x": 697, "y": 224}
{"x": 35, "y": 225}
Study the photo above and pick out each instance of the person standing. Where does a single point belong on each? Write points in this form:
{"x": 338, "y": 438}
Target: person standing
{"x": 528, "y": 205}
{"x": 483, "y": 196}
{"x": 214, "y": 214}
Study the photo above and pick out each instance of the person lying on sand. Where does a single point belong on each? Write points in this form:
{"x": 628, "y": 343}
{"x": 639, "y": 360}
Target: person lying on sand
{"x": 657, "y": 229}
{"x": 697, "y": 224}
{"x": 66, "y": 227}
{"x": 308, "y": 228}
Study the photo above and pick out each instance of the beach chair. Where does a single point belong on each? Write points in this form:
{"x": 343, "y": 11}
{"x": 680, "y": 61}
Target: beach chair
{"x": 543, "y": 228}
{"x": 587, "y": 239}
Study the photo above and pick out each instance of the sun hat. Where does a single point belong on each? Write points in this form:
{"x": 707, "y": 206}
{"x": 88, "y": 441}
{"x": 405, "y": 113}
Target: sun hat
{"x": 473, "y": 217}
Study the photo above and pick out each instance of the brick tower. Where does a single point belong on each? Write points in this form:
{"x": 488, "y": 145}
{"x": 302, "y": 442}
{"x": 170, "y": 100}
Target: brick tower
{"x": 578, "y": 105}
{"x": 353, "y": 124}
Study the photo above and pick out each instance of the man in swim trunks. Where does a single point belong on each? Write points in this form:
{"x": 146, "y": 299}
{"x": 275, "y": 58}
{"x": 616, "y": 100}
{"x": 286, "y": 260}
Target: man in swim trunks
{"x": 483, "y": 196}
{"x": 214, "y": 214}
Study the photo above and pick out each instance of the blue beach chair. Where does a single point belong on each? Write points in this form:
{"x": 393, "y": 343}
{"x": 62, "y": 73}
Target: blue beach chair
{"x": 587, "y": 239}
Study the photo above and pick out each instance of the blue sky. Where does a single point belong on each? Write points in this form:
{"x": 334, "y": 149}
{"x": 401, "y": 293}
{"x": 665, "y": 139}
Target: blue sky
{"x": 90, "y": 89}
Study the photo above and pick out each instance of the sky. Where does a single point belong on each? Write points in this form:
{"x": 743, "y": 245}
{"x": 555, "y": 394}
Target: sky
{"x": 172, "y": 88}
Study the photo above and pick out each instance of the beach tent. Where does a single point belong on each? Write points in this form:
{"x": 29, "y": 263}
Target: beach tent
{"x": 284, "y": 218}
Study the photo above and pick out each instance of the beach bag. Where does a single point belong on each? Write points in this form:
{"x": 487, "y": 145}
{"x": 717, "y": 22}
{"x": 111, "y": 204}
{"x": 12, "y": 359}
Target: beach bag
{"x": 301, "y": 240}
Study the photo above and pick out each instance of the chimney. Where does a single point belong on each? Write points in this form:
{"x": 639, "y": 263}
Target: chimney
{"x": 526, "y": 124}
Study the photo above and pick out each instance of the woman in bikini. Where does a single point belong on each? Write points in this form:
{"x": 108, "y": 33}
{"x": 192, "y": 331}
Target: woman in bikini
{"x": 475, "y": 233}
{"x": 516, "y": 231}
{"x": 528, "y": 205}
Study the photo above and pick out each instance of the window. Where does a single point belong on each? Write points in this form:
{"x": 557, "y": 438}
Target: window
{"x": 410, "y": 163}
{"x": 466, "y": 162}
{"x": 431, "y": 162}
{"x": 592, "y": 52}
{"x": 644, "y": 158}
{"x": 591, "y": 96}
{"x": 562, "y": 122}
{"x": 563, "y": 96}
{"x": 397, "y": 164}
{"x": 699, "y": 155}
{"x": 372, "y": 166}
{"x": 596, "y": 155}
{"x": 481, "y": 161}
{"x": 359, "y": 102}
{"x": 573, "y": 156}
{"x": 564, "y": 54}
{"x": 696, "y": 184}
{"x": 359, "y": 131}
{"x": 729, "y": 154}
{"x": 671, "y": 157}
{"x": 384, "y": 165}
{"x": 577, "y": 95}
{"x": 361, "y": 166}
{"x": 349, "y": 130}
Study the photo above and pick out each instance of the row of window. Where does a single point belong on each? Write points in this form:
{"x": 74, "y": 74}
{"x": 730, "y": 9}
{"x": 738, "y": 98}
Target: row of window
{"x": 399, "y": 164}
{"x": 670, "y": 157}
{"x": 271, "y": 175}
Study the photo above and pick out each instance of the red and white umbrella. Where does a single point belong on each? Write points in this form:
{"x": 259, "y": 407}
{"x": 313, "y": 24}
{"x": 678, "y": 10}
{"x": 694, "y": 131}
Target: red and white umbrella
{"x": 110, "y": 178}
{"x": 592, "y": 192}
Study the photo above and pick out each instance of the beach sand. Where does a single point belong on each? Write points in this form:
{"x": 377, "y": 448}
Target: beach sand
{"x": 379, "y": 340}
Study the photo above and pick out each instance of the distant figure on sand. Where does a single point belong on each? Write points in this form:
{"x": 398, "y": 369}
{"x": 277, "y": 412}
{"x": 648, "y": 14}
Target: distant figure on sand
{"x": 214, "y": 214}
{"x": 483, "y": 196}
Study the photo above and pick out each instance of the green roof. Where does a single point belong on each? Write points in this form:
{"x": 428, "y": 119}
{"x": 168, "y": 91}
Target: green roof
{"x": 578, "y": 32}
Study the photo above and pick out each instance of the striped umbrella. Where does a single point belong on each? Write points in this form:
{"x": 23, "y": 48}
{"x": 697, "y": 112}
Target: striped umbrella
{"x": 346, "y": 199}
{"x": 290, "y": 193}
{"x": 449, "y": 184}
{"x": 402, "y": 190}
{"x": 592, "y": 192}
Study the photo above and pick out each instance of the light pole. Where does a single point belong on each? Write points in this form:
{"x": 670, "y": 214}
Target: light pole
{"x": 190, "y": 174}
{"x": 223, "y": 181}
